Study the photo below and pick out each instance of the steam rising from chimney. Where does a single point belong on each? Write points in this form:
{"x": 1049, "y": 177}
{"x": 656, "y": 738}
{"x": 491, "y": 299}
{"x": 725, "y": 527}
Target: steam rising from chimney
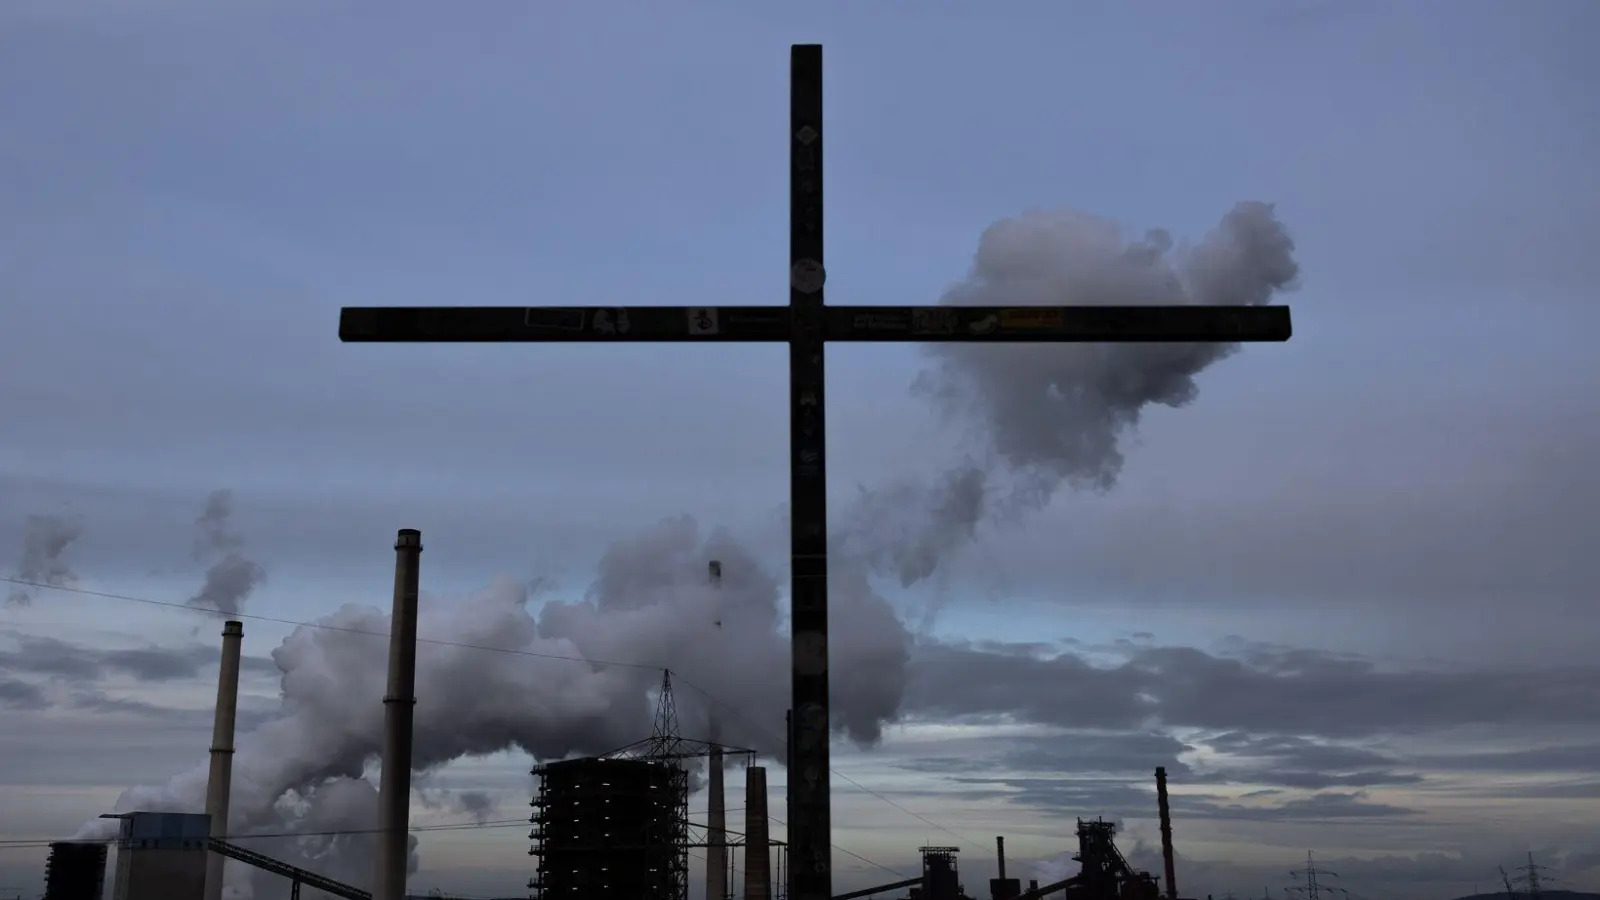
{"x": 232, "y": 576}
{"x": 219, "y": 784}
{"x": 44, "y": 555}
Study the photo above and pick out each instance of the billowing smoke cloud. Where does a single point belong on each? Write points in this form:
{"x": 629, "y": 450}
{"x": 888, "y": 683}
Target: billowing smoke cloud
{"x": 232, "y": 576}
{"x": 44, "y": 556}
{"x": 1048, "y": 415}
{"x": 652, "y": 605}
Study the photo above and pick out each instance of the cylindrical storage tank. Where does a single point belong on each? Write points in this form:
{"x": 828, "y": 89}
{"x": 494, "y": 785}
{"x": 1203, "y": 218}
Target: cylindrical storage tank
{"x": 610, "y": 829}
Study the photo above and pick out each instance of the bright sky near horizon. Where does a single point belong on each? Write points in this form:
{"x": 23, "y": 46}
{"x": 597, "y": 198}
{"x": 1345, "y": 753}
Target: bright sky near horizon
{"x": 1344, "y": 595}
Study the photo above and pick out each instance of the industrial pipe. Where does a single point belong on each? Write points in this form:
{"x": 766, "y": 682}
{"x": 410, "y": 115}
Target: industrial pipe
{"x": 1000, "y": 854}
{"x": 399, "y": 708}
{"x": 880, "y": 889}
{"x": 220, "y": 785}
{"x": 1166, "y": 832}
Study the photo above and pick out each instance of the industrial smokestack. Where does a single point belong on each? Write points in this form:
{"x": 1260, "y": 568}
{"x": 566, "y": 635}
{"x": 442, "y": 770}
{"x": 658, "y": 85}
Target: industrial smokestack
{"x": 399, "y": 707}
{"x": 757, "y": 855}
{"x": 1166, "y": 832}
{"x": 221, "y": 783}
{"x": 757, "y": 836}
{"x": 788, "y": 768}
{"x": 717, "y": 815}
{"x": 1000, "y": 854}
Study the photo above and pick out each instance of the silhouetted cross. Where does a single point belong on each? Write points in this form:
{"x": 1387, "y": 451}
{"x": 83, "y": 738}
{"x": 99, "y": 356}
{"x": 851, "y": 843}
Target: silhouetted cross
{"x": 806, "y": 324}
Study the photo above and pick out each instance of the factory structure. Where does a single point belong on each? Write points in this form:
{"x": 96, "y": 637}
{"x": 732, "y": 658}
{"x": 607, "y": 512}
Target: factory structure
{"x": 611, "y": 827}
{"x": 616, "y": 827}
{"x": 76, "y": 870}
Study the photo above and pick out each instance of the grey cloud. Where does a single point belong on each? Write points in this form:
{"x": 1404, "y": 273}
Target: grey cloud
{"x": 1556, "y": 758}
{"x": 1298, "y": 751}
{"x": 1311, "y": 780}
{"x": 100, "y": 702}
{"x": 1097, "y": 752}
{"x": 477, "y": 804}
{"x": 93, "y": 738}
{"x": 1079, "y": 797}
{"x": 17, "y": 694}
{"x": 1076, "y": 751}
{"x": 1545, "y": 789}
{"x": 1319, "y": 807}
{"x": 1297, "y": 762}
{"x": 1300, "y": 692}
{"x": 1069, "y": 798}
{"x": 56, "y": 658}
{"x": 1471, "y": 524}
{"x": 251, "y": 713}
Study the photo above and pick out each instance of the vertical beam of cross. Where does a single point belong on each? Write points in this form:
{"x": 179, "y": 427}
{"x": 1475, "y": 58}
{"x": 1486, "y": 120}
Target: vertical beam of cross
{"x": 809, "y": 822}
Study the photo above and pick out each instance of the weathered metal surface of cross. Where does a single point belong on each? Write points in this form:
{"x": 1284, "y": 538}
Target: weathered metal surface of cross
{"x": 806, "y": 324}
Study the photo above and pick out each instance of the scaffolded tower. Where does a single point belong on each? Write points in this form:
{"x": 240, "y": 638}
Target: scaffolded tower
{"x": 941, "y": 877}
{"x": 616, "y": 827}
{"x": 76, "y": 870}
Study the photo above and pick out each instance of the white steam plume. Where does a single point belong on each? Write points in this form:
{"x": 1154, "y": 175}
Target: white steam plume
{"x": 1048, "y": 415}
{"x": 44, "y": 556}
{"x": 651, "y": 604}
{"x": 232, "y": 576}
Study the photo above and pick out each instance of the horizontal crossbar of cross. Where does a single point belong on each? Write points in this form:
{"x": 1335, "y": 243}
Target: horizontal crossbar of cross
{"x": 645, "y": 324}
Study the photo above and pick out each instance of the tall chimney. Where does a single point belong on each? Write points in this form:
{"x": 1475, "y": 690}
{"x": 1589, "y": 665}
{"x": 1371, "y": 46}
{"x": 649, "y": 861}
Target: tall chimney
{"x": 1166, "y": 832}
{"x": 1000, "y": 854}
{"x": 221, "y": 783}
{"x": 757, "y": 837}
{"x": 399, "y": 707}
{"x": 717, "y": 815}
{"x": 788, "y": 764}
{"x": 716, "y": 828}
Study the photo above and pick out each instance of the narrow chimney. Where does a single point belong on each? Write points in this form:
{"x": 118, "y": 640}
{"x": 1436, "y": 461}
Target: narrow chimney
{"x": 1000, "y": 854}
{"x": 1166, "y": 832}
{"x": 788, "y": 764}
{"x": 399, "y": 708}
{"x": 1033, "y": 884}
{"x": 757, "y": 842}
{"x": 221, "y": 783}
{"x": 716, "y": 830}
{"x": 717, "y": 815}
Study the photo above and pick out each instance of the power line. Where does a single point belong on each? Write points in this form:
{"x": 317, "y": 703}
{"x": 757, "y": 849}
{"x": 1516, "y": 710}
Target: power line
{"x": 107, "y": 595}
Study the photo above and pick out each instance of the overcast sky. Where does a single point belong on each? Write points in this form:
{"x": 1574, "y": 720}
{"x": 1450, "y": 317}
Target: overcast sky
{"x": 1344, "y": 595}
